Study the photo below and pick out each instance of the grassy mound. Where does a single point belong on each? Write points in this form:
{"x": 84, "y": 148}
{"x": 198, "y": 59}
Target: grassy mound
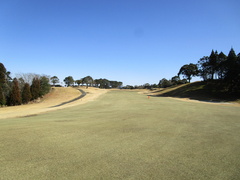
{"x": 207, "y": 91}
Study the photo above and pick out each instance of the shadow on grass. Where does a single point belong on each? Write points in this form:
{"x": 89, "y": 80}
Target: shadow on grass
{"x": 75, "y": 99}
{"x": 202, "y": 91}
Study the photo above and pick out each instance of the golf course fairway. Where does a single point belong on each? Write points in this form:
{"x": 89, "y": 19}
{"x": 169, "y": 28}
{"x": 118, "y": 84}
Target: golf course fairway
{"x": 124, "y": 135}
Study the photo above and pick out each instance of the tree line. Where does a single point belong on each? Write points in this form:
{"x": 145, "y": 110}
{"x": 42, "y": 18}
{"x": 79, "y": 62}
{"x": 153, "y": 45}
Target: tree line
{"x": 217, "y": 67}
{"x": 89, "y": 81}
{"x": 21, "y": 90}
{"x": 28, "y": 87}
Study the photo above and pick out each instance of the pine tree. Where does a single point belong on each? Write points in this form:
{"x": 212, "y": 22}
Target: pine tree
{"x": 221, "y": 65}
{"x": 15, "y": 97}
{"x": 26, "y": 93}
{"x": 231, "y": 65}
{"x": 2, "y": 81}
{"x": 35, "y": 88}
{"x": 213, "y": 63}
{"x": 2, "y": 74}
{"x": 2, "y": 97}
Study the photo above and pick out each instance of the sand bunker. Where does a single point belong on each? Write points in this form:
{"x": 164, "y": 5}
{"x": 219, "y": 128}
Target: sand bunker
{"x": 58, "y": 98}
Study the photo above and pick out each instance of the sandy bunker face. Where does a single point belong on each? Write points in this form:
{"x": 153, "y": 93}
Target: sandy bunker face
{"x": 50, "y": 102}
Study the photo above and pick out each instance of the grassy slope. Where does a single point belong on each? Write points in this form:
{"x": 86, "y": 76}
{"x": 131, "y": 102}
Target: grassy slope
{"x": 199, "y": 91}
{"x": 124, "y": 135}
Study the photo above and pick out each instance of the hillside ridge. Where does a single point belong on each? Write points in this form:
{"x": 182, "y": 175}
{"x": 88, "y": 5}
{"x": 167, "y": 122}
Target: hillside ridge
{"x": 199, "y": 90}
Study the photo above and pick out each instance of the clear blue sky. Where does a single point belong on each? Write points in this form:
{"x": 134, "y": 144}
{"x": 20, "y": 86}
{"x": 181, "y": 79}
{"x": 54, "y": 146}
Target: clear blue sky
{"x": 133, "y": 41}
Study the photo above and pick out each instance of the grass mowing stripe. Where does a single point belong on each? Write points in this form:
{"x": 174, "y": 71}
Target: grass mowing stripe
{"x": 124, "y": 135}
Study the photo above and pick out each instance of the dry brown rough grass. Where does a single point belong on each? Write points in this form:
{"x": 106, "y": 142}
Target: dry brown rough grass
{"x": 57, "y": 96}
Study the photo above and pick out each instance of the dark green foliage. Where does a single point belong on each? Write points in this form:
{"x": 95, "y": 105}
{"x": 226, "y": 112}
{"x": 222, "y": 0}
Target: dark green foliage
{"x": 189, "y": 70}
{"x": 233, "y": 72}
{"x": 44, "y": 86}
{"x": 7, "y": 88}
{"x": 231, "y": 65}
{"x": 69, "y": 81}
{"x": 154, "y": 86}
{"x": 163, "y": 83}
{"x": 17, "y": 91}
{"x": 100, "y": 83}
{"x": 54, "y": 80}
{"x": 115, "y": 84}
{"x": 225, "y": 68}
{"x": 2, "y": 83}
{"x": 236, "y": 86}
{"x": 2, "y": 98}
{"x": 26, "y": 93}
{"x": 104, "y": 83}
{"x": 213, "y": 66}
{"x": 2, "y": 78}
{"x": 35, "y": 88}
{"x": 88, "y": 80}
{"x": 15, "y": 96}
{"x": 204, "y": 68}
{"x": 78, "y": 82}
{"x": 5, "y": 85}
{"x": 97, "y": 82}
{"x": 221, "y": 66}
{"x": 2, "y": 74}
{"x": 21, "y": 83}
{"x": 147, "y": 86}
{"x": 175, "y": 80}
{"x": 213, "y": 59}
{"x": 183, "y": 81}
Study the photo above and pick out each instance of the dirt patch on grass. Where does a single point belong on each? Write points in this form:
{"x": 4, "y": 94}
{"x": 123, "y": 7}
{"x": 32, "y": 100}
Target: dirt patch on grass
{"x": 58, "y": 96}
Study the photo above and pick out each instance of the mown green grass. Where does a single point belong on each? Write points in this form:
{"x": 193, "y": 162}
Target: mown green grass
{"x": 124, "y": 135}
